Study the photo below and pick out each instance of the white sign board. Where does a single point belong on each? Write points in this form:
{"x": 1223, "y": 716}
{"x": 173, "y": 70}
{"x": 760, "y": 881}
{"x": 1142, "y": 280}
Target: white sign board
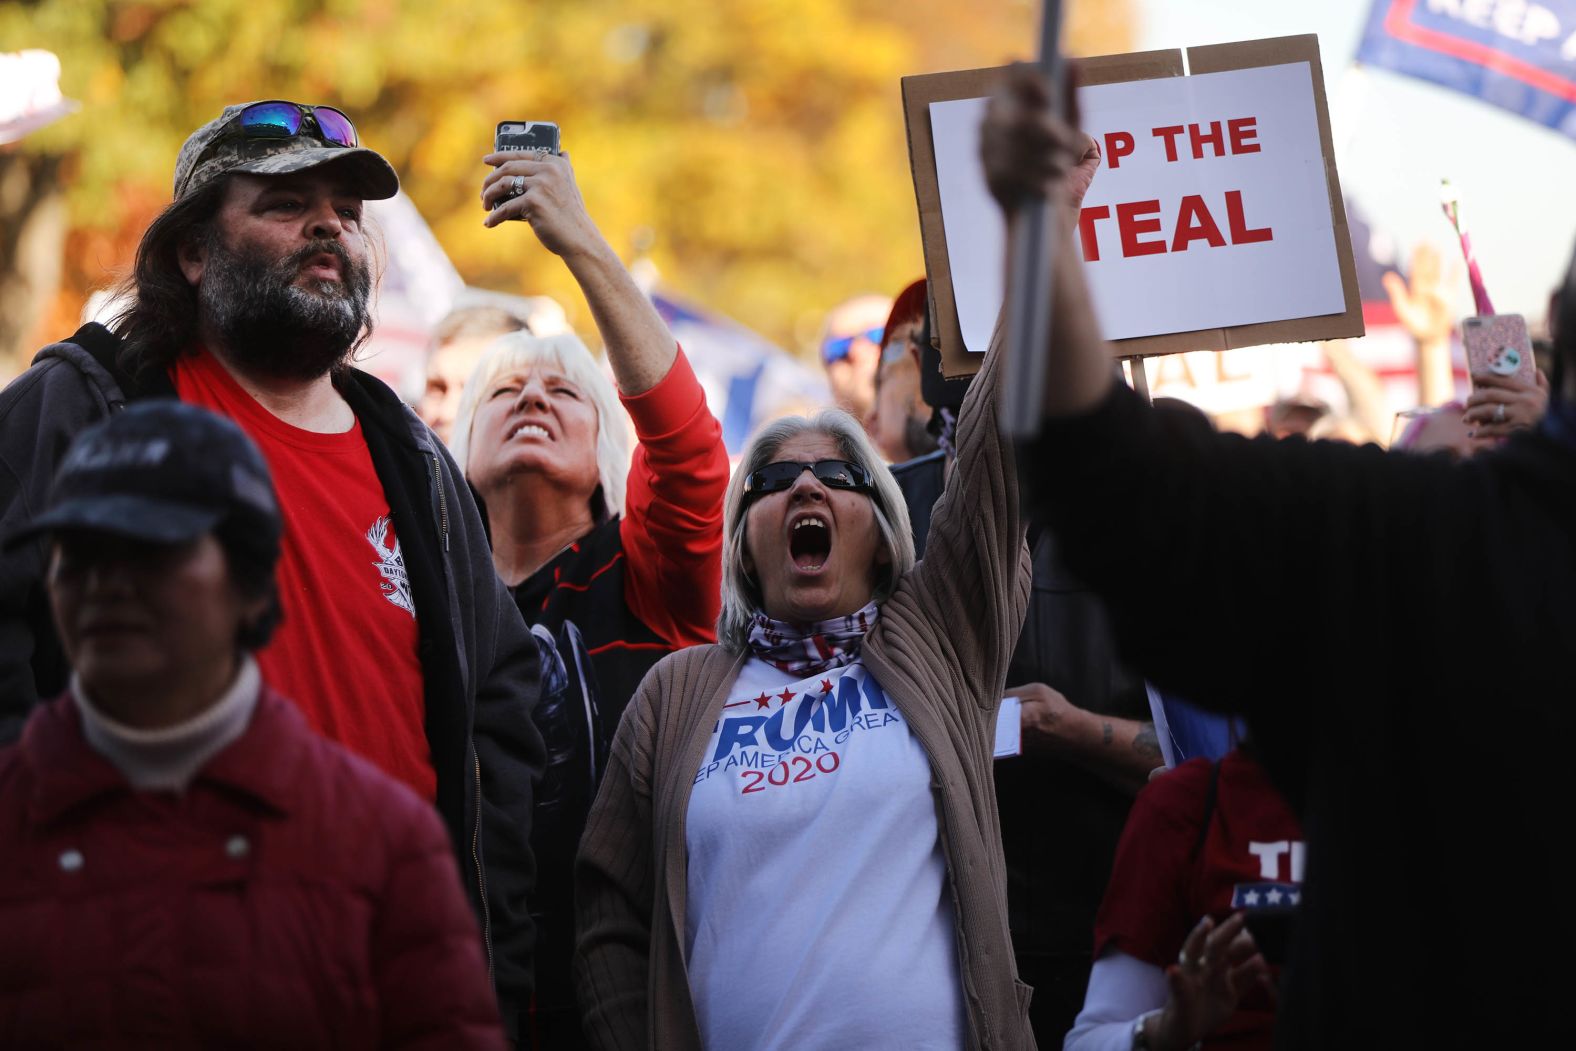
{"x": 1211, "y": 207}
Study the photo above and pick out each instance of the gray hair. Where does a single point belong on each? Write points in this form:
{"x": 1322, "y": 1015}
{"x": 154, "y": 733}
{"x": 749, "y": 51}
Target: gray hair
{"x": 741, "y": 595}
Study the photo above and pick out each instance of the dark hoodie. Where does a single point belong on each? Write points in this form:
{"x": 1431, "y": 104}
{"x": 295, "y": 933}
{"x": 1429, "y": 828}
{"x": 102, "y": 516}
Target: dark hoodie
{"x": 1398, "y": 631}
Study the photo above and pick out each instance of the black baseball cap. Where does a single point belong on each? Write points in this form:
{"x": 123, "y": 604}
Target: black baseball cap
{"x": 163, "y": 472}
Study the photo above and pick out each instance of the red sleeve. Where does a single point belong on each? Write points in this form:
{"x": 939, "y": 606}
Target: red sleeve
{"x": 1145, "y": 912}
{"x": 672, "y": 527}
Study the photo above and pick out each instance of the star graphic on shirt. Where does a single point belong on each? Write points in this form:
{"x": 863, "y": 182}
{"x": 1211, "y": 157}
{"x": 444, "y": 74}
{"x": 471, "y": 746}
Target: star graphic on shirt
{"x": 1294, "y": 897}
{"x": 786, "y": 695}
{"x": 1250, "y": 897}
{"x": 764, "y": 701}
{"x": 826, "y": 685}
{"x": 1274, "y": 896}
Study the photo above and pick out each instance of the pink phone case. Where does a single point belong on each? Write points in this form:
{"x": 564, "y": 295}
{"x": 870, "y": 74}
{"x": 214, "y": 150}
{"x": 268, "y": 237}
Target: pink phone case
{"x": 1499, "y": 345}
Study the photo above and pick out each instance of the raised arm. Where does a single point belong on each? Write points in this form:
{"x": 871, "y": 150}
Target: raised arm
{"x": 1188, "y": 535}
{"x": 973, "y": 582}
{"x": 672, "y": 527}
{"x": 639, "y": 345}
{"x": 975, "y": 559}
{"x": 1028, "y": 152}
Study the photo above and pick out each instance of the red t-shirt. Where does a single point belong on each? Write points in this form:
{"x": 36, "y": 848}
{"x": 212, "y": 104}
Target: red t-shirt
{"x": 346, "y": 651}
{"x": 1163, "y": 879}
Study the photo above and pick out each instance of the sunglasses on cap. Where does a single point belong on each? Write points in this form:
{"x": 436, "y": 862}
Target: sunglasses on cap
{"x": 837, "y": 474}
{"x": 279, "y": 119}
{"x": 837, "y": 349}
{"x": 282, "y": 120}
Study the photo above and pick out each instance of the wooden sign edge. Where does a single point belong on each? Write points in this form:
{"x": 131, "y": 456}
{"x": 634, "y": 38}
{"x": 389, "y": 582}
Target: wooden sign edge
{"x": 1277, "y": 51}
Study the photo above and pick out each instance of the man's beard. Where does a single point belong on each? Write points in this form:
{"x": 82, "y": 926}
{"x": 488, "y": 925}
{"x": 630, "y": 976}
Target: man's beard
{"x": 269, "y": 325}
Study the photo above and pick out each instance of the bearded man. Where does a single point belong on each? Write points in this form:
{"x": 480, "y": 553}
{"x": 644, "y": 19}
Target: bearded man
{"x": 249, "y": 293}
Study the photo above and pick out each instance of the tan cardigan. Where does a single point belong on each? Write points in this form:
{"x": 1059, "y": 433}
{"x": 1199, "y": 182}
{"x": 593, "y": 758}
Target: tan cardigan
{"x": 939, "y": 650}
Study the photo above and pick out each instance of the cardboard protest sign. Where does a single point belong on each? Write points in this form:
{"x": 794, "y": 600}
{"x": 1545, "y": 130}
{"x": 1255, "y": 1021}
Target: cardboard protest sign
{"x": 1514, "y": 54}
{"x": 1215, "y": 220}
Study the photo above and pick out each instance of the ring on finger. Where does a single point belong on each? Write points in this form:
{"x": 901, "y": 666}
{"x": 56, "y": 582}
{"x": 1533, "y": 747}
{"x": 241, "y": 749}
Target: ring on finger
{"x": 1499, "y": 412}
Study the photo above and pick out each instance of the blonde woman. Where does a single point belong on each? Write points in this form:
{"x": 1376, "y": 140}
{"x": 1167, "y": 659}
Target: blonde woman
{"x": 614, "y": 561}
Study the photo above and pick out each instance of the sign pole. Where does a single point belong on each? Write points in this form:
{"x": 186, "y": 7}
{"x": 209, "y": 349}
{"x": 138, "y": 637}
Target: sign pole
{"x": 1033, "y": 250}
{"x": 1140, "y": 377}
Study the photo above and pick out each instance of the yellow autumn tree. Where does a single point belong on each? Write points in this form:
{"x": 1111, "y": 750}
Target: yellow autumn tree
{"x": 754, "y": 149}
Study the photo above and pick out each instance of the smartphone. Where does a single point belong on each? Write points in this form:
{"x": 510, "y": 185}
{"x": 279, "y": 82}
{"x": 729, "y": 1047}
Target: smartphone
{"x": 514, "y": 135}
{"x": 526, "y": 135}
{"x": 1499, "y": 345}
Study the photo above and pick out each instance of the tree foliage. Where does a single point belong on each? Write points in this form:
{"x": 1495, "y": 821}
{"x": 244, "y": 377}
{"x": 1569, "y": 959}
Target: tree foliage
{"x": 754, "y": 149}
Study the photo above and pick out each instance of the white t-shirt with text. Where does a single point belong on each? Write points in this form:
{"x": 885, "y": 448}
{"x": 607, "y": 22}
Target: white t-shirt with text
{"x": 819, "y": 915}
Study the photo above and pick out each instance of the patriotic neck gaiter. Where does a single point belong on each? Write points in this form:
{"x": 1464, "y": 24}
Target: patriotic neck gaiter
{"x": 810, "y": 649}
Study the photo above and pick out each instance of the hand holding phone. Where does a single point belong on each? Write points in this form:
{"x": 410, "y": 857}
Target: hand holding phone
{"x": 539, "y": 187}
{"x": 522, "y": 136}
{"x": 1508, "y": 392}
{"x": 1499, "y": 345}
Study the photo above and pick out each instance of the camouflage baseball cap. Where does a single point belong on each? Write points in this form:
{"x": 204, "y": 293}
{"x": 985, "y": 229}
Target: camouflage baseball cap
{"x": 206, "y": 155}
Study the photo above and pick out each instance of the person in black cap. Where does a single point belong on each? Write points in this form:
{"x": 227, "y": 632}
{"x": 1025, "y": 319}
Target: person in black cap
{"x": 170, "y": 808}
{"x": 248, "y": 296}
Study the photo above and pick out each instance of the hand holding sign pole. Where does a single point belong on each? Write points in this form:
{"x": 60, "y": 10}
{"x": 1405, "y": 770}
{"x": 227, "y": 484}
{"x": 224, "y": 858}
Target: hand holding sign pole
{"x": 1032, "y": 246}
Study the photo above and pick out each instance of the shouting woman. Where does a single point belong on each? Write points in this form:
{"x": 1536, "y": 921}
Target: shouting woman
{"x": 796, "y": 842}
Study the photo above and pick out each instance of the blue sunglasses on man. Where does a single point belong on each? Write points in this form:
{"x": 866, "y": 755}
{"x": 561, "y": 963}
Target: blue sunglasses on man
{"x": 837, "y": 349}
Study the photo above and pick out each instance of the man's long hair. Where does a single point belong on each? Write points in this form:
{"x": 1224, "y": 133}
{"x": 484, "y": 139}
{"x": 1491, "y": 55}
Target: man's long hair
{"x": 159, "y": 322}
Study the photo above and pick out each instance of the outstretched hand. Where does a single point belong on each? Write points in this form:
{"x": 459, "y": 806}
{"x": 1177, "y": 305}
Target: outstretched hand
{"x": 540, "y": 188}
{"x": 1028, "y": 151}
{"x": 1420, "y": 300}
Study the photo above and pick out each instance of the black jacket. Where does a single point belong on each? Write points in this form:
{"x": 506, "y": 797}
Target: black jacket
{"x": 1398, "y": 631}
{"x": 479, "y": 665}
{"x": 1059, "y": 823}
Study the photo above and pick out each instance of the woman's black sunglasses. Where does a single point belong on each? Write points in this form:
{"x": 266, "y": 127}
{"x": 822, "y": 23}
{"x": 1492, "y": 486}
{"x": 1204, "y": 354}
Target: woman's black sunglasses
{"x": 838, "y": 474}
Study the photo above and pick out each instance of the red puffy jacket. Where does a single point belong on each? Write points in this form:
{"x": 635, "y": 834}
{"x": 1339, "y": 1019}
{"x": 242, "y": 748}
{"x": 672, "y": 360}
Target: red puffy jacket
{"x": 292, "y": 897}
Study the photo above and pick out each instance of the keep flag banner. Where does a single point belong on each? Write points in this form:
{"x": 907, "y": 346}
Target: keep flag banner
{"x": 1519, "y": 55}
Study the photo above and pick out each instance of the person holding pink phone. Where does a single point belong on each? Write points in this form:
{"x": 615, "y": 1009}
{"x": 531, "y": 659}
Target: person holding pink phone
{"x": 1509, "y": 393}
